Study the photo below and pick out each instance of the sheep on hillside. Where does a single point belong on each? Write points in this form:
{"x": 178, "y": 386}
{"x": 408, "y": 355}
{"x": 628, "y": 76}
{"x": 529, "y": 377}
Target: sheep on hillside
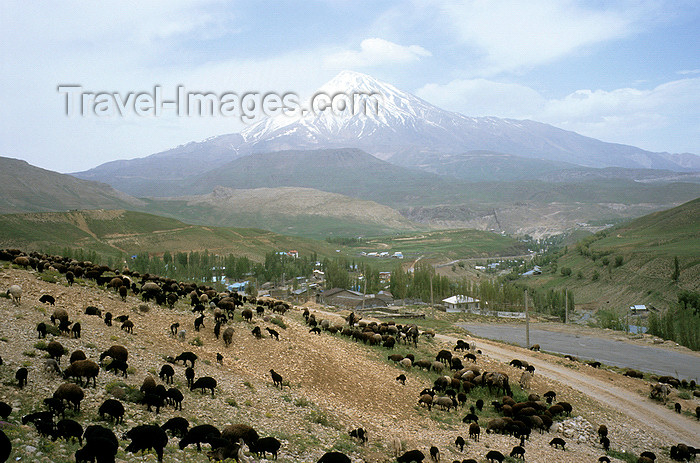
{"x": 15, "y": 293}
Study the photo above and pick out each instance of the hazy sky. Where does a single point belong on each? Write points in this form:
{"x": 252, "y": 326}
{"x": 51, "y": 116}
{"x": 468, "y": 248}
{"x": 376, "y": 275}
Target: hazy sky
{"x": 621, "y": 71}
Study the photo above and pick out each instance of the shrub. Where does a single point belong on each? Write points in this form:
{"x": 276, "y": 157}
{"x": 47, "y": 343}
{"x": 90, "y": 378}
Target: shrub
{"x": 565, "y": 271}
{"x": 41, "y": 345}
{"x": 197, "y": 342}
{"x": 595, "y": 275}
{"x": 232, "y": 402}
{"x": 279, "y": 322}
{"x": 619, "y": 260}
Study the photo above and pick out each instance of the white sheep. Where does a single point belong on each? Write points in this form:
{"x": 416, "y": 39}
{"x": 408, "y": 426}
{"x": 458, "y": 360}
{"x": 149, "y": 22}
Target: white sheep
{"x": 15, "y": 293}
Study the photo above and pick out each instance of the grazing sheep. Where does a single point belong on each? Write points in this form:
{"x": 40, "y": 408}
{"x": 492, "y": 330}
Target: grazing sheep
{"x": 247, "y": 314}
{"x": 276, "y": 378}
{"x": 228, "y": 336}
{"x": 604, "y": 459}
{"x": 123, "y": 292}
{"x": 359, "y": 434}
{"x": 334, "y": 457}
{"x": 518, "y": 452}
{"x": 71, "y": 393}
{"x": 203, "y": 383}
{"x": 5, "y": 410}
{"x": 256, "y": 332}
{"x": 474, "y": 431}
{"x": 495, "y": 455}
{"x": 15, "y": 293}
{"x": 525, "y": 380}
{"x": 55, "y": 350}
{"x": 401, "y": 378}
{"x": 427, "y": 400}
{"x": 650, "y": 455}
{"x": 697, "y": 412}
{"x": 114, "y": 409}
{"x": 605, "y": 442}
{"x": 315, "y": 330}
{"x": 677, "y": 407}
{"x": 101, "y": 444}
{"x": 108, "y": 319}
{"x": 230, "y": 450}
{"x": 460, "y": 443}
{"x": 41, "y": 329}
{"x": 70, "y": 277}
{"x": 199, "y": 435}
{"x": 77, "y": 355}
{"x": 558, "y": 442}
{"x": 273, "y": 333}
{"x": 217, "y": 329}
{"x": 146, "y": 437}
{"x": 174, "y": 397}
{"x": 602, "y": 431}
{"x": 173, "y": 328}
{"x": 21, "y": 377}
{"x": 75, "y": 330}
{"x": 116, "y": 352}
{"x": 47, "y": 299}
{"x": 128, "y": 326}
{"x": 266, "y": 445}
{"x": 234, "y": 432}
{"x": 117, "y": 365}
{"x": 471, "y": 357}
{"x": 411, "y": 455}
{"x": 177, "y": 426}
{"x": 187, "y": 357}
{"x": 435, "y": 454}
{"x": 199, "y": 322}
{"x": 91, "y": 310}
{"x": 535, "y": 347}
{"x": 68, "y": 429}
{"x": 59, "y": 314}
{"x": 166, "y": 374}
{"x": 83, "y": 368}
{"x": 634, "y": 373}
{"x": 64, "y": 326}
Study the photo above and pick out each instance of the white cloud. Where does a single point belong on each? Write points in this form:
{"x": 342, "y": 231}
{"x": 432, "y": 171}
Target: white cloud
{"x": 639, "y": 117}
{"x": 375, "y": 52}
{"x": 484, "y": 97}
{"x": 513, "y": 35}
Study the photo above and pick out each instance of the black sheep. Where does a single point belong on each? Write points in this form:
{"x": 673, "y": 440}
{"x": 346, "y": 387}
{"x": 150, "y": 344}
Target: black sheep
{"x": 153, "y": 400}
{"x": 114, "y": 409}
{"x": 77, "y": 355}
{"x": 334, "y": 457}
{"x": 177, "y": 426}
{"x": 166, "y": 374}
{"x": 173, "y": 328}
{"x": 411, "y": 455}
{"x": 276, "y": 378}
{"x": 64, "y": 326}
{"x": 518, "y": 452}
{"x": 41, "y": 329}
{"x": 47, "y": 299}
{"x": 108, "y": 319}
{"x": 359, "y": 434}
{"x": 495, "y": 455}
{"x": 55, "y": 406}
{"x": 558, "y": 442}
{"x": 401, "y": 378}
{"x": 189, "y": 374}
{"x": 256, "y": 332}
{"x": 118, "y": 365}
{"x": 5, "y": 447}
{"x": 21, "y": 377}
{"x": 435, "y": 453}
{"x": 219, "y": 358}
{"x": 266, "y": 445}
{"x": 37, "y": 416}
{"x": 217, "y": 329}
{"x": 203, "y": 383}
{"x": 605, "y": 442}
{"x": 5, "y": 410}
{"x": 68, "y": 429}
{"x": 273, "y": 333}
{"x": 116, "y": 352}
{"x": 75, "y": 330}
{"x": 676, "y": 406}
{"x": 198, "y": 435}
{"x": 459, "y": 443}
{"x": 101, "y": 444}
{"x": 128, "y": 326}
{"x": 175, "y": 398}
{"x": 187, "y": 357}
{"x": 90, "y": 310}
{"x": 145, "y": 437}
{"x": 199, "y": 322}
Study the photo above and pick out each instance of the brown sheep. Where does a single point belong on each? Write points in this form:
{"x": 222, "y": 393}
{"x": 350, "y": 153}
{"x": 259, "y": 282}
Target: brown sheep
{"x": 71, "y": 393}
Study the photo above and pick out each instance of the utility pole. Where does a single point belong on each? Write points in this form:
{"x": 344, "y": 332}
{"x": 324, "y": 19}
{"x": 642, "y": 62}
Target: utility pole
{"x": 432, "y": 302}
{"x": 527, "y": 323}
{"x": 364, "y": 292}
{"x": 566, "y": 306}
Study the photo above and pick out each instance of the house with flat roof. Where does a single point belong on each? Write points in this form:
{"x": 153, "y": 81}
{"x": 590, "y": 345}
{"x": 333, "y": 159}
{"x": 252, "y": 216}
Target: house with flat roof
{"x": 461, "y": 303}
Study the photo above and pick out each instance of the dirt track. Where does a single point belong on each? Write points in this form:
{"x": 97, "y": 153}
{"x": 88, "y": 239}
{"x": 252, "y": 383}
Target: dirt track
{"x": 643, "y": 411}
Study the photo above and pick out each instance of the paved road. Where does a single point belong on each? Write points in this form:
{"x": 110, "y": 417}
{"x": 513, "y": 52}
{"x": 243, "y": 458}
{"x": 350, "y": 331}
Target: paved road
{"x": 617, "y": 353}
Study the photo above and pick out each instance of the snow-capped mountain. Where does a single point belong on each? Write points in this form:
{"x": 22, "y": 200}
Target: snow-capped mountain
{"x": 402, "y": 129}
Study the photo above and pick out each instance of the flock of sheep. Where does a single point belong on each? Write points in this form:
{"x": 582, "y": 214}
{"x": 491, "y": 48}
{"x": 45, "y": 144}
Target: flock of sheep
{"x": 456, "y": 376}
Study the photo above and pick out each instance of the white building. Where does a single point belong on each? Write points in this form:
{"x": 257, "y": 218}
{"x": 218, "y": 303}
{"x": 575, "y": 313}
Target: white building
{"x": 461, "y": 303}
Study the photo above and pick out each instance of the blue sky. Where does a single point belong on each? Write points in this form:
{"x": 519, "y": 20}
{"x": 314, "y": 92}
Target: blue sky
{"x": 621, "y": 71}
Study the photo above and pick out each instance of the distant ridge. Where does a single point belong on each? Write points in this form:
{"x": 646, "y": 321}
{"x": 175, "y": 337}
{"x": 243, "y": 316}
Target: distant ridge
{"x": 26, "y": 188}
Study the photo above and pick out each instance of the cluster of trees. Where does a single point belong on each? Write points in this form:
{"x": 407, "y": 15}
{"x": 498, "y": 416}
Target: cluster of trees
{"x": 680, "y": 323}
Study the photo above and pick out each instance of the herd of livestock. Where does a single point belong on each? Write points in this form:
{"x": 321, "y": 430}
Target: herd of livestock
{"x": 456, "y": 375}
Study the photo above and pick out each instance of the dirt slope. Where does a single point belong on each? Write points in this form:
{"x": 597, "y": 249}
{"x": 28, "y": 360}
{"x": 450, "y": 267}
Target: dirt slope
{"x": 334, "y": 385}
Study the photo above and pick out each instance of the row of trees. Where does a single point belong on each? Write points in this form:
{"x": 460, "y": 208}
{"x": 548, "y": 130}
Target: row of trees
{"x": 680, "y": 323}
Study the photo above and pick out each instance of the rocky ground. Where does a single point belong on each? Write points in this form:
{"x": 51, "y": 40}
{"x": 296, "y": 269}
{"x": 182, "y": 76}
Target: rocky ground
{"x": 334, "y": 385}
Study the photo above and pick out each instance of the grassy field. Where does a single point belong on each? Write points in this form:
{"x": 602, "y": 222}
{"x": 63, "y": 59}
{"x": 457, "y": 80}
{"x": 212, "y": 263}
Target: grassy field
{"x": 118, "y": 232}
